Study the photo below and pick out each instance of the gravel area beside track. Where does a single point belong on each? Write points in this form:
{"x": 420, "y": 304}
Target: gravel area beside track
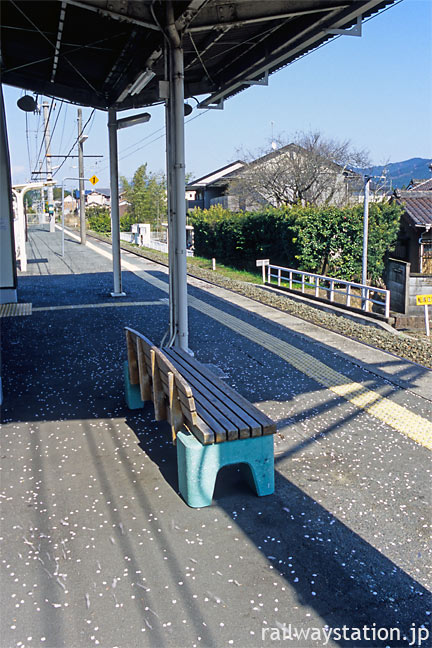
{"x": 403, "y": 346}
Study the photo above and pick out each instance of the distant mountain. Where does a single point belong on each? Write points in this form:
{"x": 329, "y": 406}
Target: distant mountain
{"x": 400, "y": 173}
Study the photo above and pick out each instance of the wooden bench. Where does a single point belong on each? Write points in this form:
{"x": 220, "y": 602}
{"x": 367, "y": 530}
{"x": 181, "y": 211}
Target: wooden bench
{"x": 211, "y": 424}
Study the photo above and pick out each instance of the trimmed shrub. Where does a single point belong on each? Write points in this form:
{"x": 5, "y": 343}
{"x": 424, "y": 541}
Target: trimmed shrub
{"x": 326, "y": 240}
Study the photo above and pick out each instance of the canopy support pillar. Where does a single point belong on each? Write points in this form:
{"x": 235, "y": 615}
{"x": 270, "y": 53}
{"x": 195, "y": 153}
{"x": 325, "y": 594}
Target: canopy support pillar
{"x": 176, "y": 189}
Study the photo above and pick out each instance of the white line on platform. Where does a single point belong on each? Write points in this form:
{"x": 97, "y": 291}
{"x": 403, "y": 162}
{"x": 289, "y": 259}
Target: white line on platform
{"x": 156, "y": 302}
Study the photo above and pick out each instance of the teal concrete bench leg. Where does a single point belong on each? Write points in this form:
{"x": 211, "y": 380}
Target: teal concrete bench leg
{"x": 198, "y": 465}
{"x": 132, "y": 392}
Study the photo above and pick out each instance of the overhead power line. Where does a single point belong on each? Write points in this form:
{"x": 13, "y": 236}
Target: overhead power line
{"x": 75, "y": 142}
{"x": 155, "y": 139}
{"x": 44, "y": 133}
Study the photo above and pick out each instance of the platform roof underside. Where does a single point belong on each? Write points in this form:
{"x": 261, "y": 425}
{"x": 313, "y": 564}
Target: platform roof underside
{"x": 90, "y": 51}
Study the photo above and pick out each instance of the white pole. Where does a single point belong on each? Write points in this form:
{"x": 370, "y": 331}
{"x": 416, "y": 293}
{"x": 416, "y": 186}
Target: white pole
{"x": 21, "y": 230}
{"x": 426, "y": 314}
{"x": 81, "y": 182}
{"x": 365, "y": 238}
{"x": 51, "y": 214}
{"x": 180, "y": 244}
{"x": 169, "y": 129}
{"x": 115, "y": 216}
{"x": 63, "y": 219}
{"x": 176, "y": 102}
{"x": 63, "y": 223}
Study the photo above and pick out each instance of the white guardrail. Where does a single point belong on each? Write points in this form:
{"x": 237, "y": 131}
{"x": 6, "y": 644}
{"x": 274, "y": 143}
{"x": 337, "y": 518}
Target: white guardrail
{"x": 154, "y": 244}
{"x": 288, "y": 277}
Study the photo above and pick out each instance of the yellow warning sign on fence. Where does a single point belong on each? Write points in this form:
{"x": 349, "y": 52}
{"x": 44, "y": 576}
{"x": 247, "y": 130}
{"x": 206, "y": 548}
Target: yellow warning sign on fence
{"x": 424, "y": 300}
{"x": 94, "y": 179}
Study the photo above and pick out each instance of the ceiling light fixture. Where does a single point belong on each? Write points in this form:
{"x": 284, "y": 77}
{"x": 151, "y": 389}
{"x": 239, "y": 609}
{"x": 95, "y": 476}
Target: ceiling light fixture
{"x": 133, "y": 120}
{"x": 141, "y": 81}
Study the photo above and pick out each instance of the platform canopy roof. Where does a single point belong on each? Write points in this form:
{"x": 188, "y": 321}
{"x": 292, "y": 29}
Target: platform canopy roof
{"x": 92, "y": 52}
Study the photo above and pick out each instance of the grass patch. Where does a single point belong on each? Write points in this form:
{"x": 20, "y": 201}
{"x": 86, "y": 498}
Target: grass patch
{"x": 192, "y": 262}
{"x": 226, "y": 271}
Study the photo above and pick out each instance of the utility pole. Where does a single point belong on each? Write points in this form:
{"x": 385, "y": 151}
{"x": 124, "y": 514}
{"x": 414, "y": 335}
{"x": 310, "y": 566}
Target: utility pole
{"x": 45, "y": 106}
{"x": 81, "y": 140}
{"x": 42, "y": 202}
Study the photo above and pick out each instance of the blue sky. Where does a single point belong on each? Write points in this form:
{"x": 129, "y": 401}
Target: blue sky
{"x": 375, "y": 91}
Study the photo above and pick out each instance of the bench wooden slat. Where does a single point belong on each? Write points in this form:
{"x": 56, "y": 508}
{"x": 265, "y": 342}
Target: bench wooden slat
{"x": 205, "y": 427}
{"x": 143, "y": 372}
{"x": 159, "y": 400}
{"x": 132, "y": 359}
{"x": 135, "y": 333}
{"x": 187, "y": 403}
{"x": 219, "y": 432}
{"x": 176, "y": 415}
{"x": 234, "y": 425}
{"x": 165, "y": 366}
{"x": 185, "y": 393}
{"x": 268, "y": 426}
{"x": 185, "y": 410}
{"x": 246, "y": 420}
{"x": 132, "y": 338}
{"x": 203, "y": 432}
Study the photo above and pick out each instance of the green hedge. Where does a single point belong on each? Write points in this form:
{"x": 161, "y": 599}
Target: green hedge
{"x": 99, "y": 220}
{"x": 327, "y": 240}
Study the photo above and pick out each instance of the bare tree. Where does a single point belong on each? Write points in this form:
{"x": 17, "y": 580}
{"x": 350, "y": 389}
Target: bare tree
{"x": 309, "y": 169}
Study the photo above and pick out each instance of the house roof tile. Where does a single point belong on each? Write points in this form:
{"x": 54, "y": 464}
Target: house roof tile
{"x": 418, "y": 206}
{"x": 421, "y": 185}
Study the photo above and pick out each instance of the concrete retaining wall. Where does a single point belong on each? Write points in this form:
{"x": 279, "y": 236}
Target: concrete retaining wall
{"x": 419, "y": 284}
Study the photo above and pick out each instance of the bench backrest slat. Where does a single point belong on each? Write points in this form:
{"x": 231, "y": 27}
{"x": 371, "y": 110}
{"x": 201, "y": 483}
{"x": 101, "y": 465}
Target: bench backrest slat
{"x": 161, "y": 382}
{"x": 234, "y": 425}
{"x": 144, "y": 371}
{"x": 186, "y": 402}
{"x": 184, "y": 391}
{"x": 132, "y": 358}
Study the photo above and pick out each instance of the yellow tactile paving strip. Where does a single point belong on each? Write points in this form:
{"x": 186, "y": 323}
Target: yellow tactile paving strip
{"x": 399, "y": 418}
{"x": 15, "y": 310}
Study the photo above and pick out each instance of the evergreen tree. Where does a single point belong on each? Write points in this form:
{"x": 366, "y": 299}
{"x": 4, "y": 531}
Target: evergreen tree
{"x": 147, "y": 195}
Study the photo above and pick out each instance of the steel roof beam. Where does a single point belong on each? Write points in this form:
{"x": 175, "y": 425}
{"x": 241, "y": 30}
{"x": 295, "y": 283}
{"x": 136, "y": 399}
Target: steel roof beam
{"x": 195, "y": 6}
{"x": 358, "y": 10}
{"x": 113, "y": 14}
{"x": 258, "y": 19}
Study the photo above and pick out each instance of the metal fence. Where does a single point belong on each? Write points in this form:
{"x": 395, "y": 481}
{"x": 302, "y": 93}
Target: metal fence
{"x": 298, "y": 280}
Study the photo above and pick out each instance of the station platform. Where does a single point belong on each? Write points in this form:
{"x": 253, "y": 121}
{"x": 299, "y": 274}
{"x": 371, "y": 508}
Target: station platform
{"x": 99, "y": 548}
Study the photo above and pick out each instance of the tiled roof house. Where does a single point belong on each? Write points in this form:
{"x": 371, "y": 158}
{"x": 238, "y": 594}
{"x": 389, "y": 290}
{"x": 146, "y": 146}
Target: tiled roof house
{"x": 415, "y": 236}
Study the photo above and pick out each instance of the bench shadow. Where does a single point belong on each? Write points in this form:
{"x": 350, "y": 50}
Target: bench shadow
{"x": 331, "y": 568}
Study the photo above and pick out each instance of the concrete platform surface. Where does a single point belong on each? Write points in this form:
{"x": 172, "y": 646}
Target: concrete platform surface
{"x": 97, "y": 546}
